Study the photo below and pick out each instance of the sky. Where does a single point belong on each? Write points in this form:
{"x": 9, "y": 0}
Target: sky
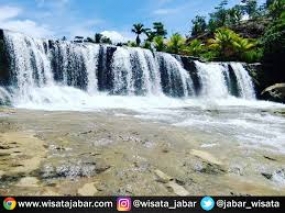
{"x": 113, "y": 18}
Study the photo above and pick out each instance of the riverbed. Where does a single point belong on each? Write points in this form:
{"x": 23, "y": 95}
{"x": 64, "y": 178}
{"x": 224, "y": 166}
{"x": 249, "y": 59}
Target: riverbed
{"x": 213, "y": 149}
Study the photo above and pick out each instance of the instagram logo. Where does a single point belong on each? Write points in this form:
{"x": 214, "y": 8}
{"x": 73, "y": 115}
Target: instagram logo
{"x": 9, "y": 203}
{"x": 124, "y": 204}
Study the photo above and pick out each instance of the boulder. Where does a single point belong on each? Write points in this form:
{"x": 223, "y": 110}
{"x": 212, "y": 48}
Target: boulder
{"x": 275, "y": 92}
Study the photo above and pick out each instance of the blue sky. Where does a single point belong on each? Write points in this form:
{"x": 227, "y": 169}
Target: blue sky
{"x": 56, "y": 18}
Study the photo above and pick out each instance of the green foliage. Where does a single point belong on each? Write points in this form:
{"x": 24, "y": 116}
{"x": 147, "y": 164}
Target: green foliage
{"x": 274, "y": 40}
{"x": 131, "y": 44}
{"x": 159, "y": 29}
{"x": 235, "y": 15}
{"x": 276, "y": 8}
{"x": 230, "y": 46}
{"x": 219, "y": 17}
{"x": 175, "y": 44}
{"x": 147, "y": 45}
{"x": 149, "y": 34}
{"x": 199, "y": 25}
{"x": 97, "y": 38}
{"x": 106, "y": 40}
{"x": 195, "y": 48}
{"x": 159, "y": 44}
{"x": 250, "y": 8}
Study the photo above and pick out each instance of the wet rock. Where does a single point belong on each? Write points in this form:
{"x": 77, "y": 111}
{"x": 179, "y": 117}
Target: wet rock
{"x": 28, "y": 182}
{"x": 162, "y": 177}
{"x": 209, "y": 168}
{"x": 73, "y": 170}
{"x": 49, "y": 192}
{"x": 275, "y": 92}
{"x": 236, "y": 170}
{"x": 87, "y": 190}
{"x": 5, "y": 147}
{"x": 171, "y": 184}
{"x": 206, "y": 156}
{"x": 85, "y": 133}
{"x": 269, "y": 158}
{"x": 239, "y": 194}
{"x": 10, "y": 178}
{"x": 177, "y": 189}
{"x": 267, "y": 175}
{"x": 278, "y": 176}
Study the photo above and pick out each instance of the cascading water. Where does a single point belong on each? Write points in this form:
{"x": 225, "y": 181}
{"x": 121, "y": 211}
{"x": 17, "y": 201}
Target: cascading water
{"x": 175, "y": 79}
{"x": 244, "y": 81}
{"x": 66, "y": 72}
{"x": 213, "y": 80}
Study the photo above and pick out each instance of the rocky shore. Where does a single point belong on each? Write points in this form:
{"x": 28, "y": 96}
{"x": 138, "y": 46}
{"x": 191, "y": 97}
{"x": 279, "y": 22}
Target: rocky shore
{"x": 76, "y": 153}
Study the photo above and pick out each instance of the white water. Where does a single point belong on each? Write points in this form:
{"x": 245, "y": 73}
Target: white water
{"x": 138, "y": 80}
{"x": 213, "y": 80}
{"x": 244, "y": 81}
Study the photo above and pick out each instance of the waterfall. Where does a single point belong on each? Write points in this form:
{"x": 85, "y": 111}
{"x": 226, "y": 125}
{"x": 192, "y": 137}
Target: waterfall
{"x": 29, "y": 63}
{"x": 244, "y": 81}
{"x": 213, "y": 80}
{"x": 175, "y": 79}
{"x": 43, "y": 71}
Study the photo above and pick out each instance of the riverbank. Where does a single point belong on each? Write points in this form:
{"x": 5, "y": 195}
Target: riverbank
{"x": 84, "y": 153}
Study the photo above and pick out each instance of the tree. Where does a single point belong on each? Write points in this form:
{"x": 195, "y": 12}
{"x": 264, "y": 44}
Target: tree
{"x": 106, "y": 40}
{"x": 275, "y": 8}
{"x": 251, "y": 8}
{"x": 219, "y": 17}
{"x": 98, "y": 37}
{"x": 158, "y": 42}
{"x": 149, "y": 34}
{"x": 199, "y": 25}
{"x": 90, "y": 40}
{"x": 175, "y": 43}
{"x": 195, "y": 48}
{"x": 242, "y": 47}
{"x": 223, "y": 43}
{"x": 159, "y": 29}
{"x": 138, "y": 29}
{"x": 235, "y": 15}
{"x": 131, "y": 44}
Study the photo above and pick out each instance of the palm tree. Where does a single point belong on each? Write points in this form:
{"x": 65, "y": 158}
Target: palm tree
{"x": 175, "y": 43}
{"x": 138, "y": 29}
{"x": 242, "y": 45}
{"x": 195, "y": 48}
{"x": 158, "y": 42}
{"x": 223, "y": 42}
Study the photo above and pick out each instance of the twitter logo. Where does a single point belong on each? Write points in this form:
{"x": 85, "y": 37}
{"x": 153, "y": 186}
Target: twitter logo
{"x": 207, "y": 203}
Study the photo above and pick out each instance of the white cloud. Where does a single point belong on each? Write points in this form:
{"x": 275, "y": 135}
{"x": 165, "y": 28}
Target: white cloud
{"x": 7, "y": 12}
{"x": 165, "y": 11}
{"x": 9, "y": 19}
{"x": 118, "y": 37}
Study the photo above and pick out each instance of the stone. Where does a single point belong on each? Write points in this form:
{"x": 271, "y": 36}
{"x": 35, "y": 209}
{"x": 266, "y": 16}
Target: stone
{"x": 275, "y": 92}
{"x": 162, "y": 177}
{"x": 177, "y": 189}
{"x": 28, "y": 182}
{"x": 206, "y": 156}
{"x": 267, "y": 175}
{"x": 87, "y": 190}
